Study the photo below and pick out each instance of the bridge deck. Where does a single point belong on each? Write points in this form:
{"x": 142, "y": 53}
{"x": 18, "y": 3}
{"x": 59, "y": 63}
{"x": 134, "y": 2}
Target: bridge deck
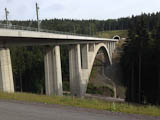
{"x": 9, "y": 37}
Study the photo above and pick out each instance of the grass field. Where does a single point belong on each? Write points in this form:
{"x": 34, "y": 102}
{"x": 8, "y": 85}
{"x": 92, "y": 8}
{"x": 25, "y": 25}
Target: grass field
{"x": 111, "y": 34}
{"x": 84, "y": 103}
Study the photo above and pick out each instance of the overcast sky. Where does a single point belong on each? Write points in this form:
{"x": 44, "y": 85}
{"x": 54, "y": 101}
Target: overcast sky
{"x": 77, "y": 9}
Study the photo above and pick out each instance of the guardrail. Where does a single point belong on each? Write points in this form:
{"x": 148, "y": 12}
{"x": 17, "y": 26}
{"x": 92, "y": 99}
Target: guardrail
{"x": 16, "y": 27}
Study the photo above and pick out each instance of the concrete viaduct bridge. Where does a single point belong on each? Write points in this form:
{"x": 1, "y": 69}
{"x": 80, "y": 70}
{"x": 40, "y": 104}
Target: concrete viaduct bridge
{"x": 82, "y": 53}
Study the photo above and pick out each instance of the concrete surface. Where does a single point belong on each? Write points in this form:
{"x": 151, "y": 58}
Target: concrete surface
{"x": 10, "y": 37}
{"x": 12, "y": 110}
{"x": 6, "y": 77}
{"x": 35, "y": 34}
{"x": 53, "y": 72}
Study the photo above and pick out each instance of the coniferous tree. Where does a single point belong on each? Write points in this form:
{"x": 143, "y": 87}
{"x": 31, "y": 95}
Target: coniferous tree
{"x": 134, "y": 52}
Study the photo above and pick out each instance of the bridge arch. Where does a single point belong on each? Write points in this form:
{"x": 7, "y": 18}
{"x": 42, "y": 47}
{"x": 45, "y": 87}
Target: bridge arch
{"x": 79, "y": 73}
{"x": 86, "y": 73}
{"x": 97, "y": 49}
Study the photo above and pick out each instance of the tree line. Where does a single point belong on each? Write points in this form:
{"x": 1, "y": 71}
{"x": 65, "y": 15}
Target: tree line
{"x": 89, "y": 27}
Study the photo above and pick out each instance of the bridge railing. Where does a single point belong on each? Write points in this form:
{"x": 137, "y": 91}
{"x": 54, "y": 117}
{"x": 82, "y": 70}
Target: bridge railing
{"x": 16, "y": 27}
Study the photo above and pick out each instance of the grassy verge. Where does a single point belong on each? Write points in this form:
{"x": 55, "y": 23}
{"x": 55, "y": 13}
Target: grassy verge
{"x": 85, "y": 103}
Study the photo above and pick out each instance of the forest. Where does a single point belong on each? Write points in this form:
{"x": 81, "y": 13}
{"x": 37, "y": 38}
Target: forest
{"x": 141, "y": 62}
{"x": 140, "y": 58}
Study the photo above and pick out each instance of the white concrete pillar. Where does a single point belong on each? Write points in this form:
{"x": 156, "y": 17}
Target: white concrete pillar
{"x": 111, "y": 43}
{"x": 84, "y": 56}
{"x": 114, "y": 45}
{"x": 110, "y": 49}
{"x": 91, "y": 47}
{"x": 79, "y": 74}
{"x": 85, "y": 67}
{"x": 53, "y": 73}
{"x": 6, "y": 76}
{"x": 75, "y": 70}
{"x": 107, "y": 44}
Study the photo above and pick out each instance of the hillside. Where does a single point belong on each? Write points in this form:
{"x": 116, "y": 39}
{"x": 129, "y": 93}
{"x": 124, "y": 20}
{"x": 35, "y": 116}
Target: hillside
{"x": 110, "y": 34}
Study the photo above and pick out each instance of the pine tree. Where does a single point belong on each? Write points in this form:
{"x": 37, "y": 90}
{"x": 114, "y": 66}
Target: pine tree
{"x": 134, "y": 51}
{"x": 156, "y": 37}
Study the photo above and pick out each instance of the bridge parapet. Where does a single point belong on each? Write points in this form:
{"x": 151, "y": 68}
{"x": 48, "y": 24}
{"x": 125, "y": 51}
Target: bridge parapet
{"x": 16, "y": 27}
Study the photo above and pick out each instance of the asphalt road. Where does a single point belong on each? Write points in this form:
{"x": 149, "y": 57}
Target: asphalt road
{"x": 13, "y": 110}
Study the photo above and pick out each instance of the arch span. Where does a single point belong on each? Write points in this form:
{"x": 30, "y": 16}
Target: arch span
{"x": 85, "y": 73}
{"x": 81, "y": 64}
{"x": 106, "y": 52}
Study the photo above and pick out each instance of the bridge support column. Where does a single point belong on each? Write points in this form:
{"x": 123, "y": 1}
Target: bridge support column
{"x": 110, "y": 49}
{"x": 6, "y": 76}
{"x": 75, "y": 69}
{"x": 78, "y": 69}
{"x": 53, "y": 74}
{"x": 84, "y": 55}
{"x": 85, "y": 68}
{"x": 91, "y": 47}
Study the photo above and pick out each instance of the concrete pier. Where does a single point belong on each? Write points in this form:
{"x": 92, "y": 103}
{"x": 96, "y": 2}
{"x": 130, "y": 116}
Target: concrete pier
{"x": 6, "y": 76}
{"x": 78, "y": 69}
{"x": 75, "y": 70}
{"x": 84, "y": 56}
{"x": 53, "y": 73}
